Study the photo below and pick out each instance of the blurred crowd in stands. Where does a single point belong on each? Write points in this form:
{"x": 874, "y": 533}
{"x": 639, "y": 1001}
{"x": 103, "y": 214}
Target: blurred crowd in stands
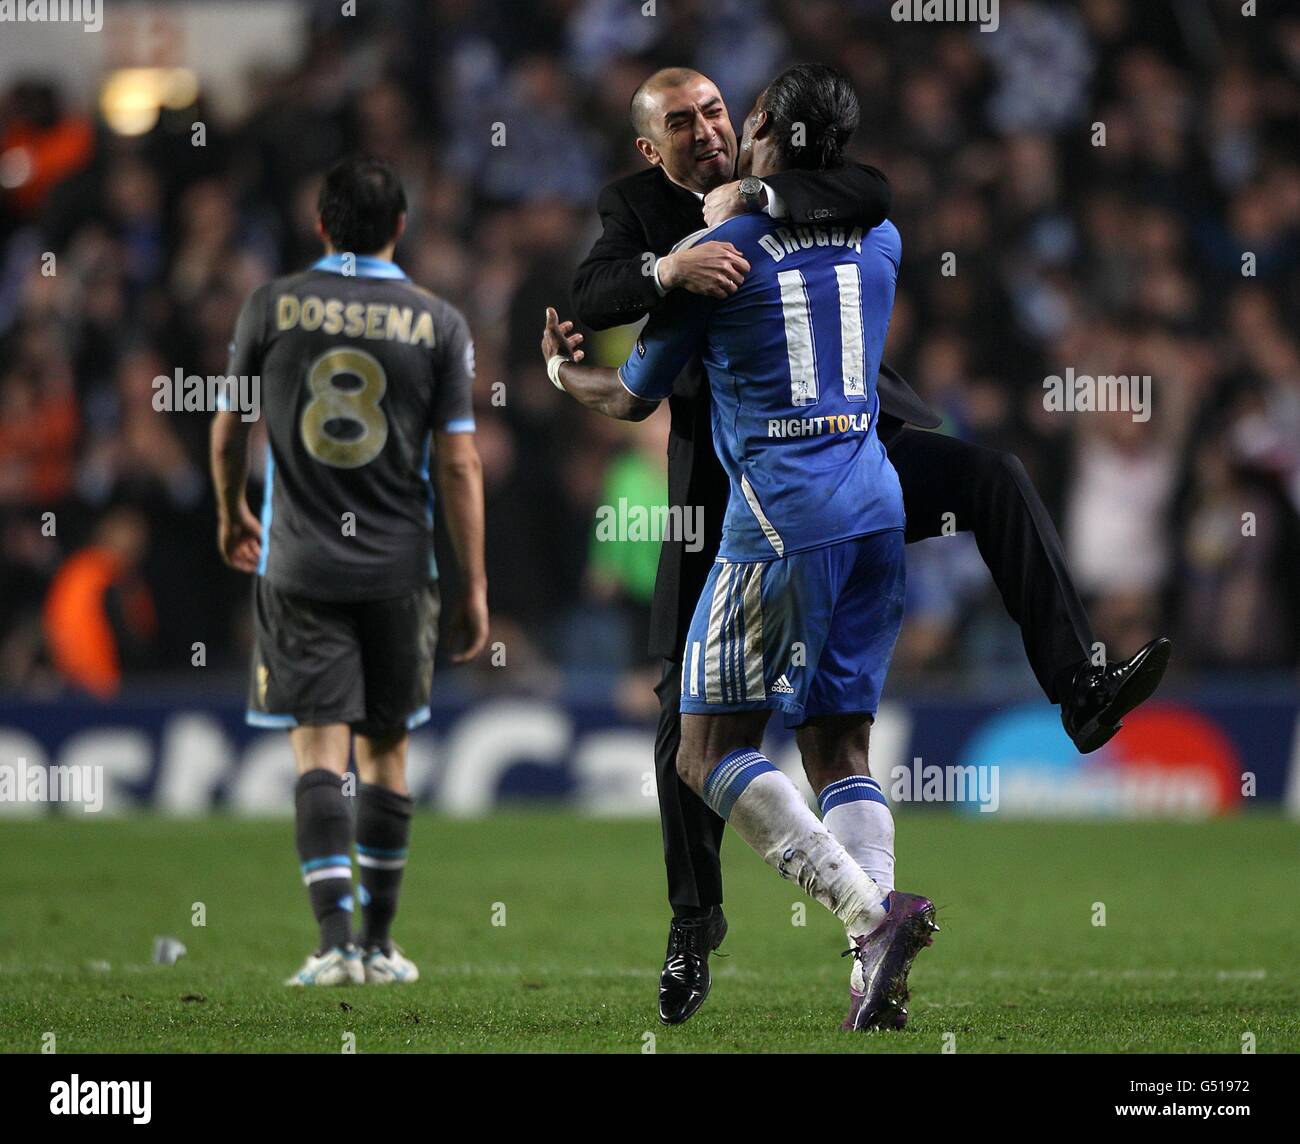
{"x": 1119, "y": 183}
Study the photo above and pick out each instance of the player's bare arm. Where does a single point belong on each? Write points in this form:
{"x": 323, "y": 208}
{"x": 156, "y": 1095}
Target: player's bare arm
{"x": 595, "y": 387}
{"x": 460, "y": 487}
{"x": 239, "y": 533}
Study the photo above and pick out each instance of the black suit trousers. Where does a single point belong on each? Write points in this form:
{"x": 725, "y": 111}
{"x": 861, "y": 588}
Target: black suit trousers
{"x": 989, "y": 494}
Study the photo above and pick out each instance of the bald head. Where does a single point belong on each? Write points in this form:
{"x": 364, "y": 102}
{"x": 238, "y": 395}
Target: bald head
{"x": 682, "y": 126}
{"x": 644, "y": 102}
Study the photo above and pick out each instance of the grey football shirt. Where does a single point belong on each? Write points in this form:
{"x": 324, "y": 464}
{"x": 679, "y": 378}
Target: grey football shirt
{"x": 356, "y": 371}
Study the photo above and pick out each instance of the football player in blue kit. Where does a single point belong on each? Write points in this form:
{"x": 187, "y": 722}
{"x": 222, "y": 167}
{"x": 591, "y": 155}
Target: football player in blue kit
{"x": 803, "y": 606}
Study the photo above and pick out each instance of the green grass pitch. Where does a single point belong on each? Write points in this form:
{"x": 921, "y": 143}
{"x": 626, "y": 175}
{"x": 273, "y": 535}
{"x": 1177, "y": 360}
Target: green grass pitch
{"x": 1201, "y": 941}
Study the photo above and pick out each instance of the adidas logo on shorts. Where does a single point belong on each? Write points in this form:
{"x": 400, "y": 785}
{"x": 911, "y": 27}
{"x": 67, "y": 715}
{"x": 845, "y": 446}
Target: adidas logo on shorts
{"x": 782, "y": 686}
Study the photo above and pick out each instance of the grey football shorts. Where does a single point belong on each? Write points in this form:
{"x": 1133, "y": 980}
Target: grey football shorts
{"x": 367, "y": 663}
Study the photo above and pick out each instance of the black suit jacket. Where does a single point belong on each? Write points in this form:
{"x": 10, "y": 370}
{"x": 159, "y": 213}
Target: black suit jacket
{"x": 644, "y": 216}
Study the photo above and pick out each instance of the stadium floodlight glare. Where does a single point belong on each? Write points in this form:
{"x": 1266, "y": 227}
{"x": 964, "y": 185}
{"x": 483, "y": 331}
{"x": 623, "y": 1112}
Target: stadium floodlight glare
{"x": 133, "y": 98}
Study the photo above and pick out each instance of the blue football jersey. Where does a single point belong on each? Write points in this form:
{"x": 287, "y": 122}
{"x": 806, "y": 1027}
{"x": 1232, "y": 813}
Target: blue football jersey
{"x": 792, "y": 358}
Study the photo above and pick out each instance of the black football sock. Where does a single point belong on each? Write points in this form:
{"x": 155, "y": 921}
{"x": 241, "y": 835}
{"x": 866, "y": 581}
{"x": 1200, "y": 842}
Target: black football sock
{"x": 383, "y": 835}
{"x": 324, "y": 832}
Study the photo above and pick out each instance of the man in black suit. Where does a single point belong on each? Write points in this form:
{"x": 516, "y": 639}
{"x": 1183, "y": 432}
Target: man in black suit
{"x": 684, "y": 133}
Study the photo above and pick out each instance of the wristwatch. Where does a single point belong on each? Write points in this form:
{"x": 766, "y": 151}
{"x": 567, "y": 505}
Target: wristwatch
{"x": 751, "y": 190}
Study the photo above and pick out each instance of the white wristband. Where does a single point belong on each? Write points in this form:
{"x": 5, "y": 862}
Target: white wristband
{"x": 553, "y": 364}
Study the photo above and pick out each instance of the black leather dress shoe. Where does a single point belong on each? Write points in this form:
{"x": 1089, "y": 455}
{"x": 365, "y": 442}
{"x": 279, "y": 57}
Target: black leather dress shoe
{"x": 1100, "y": 697}
{"x": 684, "y": 983}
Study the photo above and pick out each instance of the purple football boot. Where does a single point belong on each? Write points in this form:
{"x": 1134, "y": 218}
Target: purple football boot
{"x": 878, "y": 988}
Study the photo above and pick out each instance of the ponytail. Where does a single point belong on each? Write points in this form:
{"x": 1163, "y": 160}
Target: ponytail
{"x": 822, "y": 100}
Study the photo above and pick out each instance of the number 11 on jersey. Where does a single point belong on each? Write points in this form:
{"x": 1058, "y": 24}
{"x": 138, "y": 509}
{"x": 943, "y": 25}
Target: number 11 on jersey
{"x": 801, "y": 348}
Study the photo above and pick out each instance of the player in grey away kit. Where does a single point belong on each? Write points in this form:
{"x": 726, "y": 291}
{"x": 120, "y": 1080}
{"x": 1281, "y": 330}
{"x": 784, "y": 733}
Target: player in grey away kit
{"x": 365, "y": 379}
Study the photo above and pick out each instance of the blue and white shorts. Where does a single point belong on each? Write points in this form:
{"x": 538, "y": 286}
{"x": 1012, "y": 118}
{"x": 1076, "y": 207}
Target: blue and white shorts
{"x": 808, "y": 634}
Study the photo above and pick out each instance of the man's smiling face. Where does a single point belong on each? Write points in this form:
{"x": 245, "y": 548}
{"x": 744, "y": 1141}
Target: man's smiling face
{"x": 689, "y": 133}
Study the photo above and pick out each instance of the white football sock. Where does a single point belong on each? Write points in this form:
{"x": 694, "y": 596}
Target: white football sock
{"x": 855, "y": 811}
{"x": 767, "y": 811}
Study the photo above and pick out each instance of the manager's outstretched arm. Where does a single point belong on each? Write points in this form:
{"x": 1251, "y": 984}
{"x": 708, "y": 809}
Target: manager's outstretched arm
{"x": 621, "y": 281}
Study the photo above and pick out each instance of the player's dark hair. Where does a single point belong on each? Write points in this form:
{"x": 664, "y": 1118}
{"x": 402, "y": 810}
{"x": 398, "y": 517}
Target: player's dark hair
{"x": 360, "y": 203}
{"x": 813, "y": 111}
